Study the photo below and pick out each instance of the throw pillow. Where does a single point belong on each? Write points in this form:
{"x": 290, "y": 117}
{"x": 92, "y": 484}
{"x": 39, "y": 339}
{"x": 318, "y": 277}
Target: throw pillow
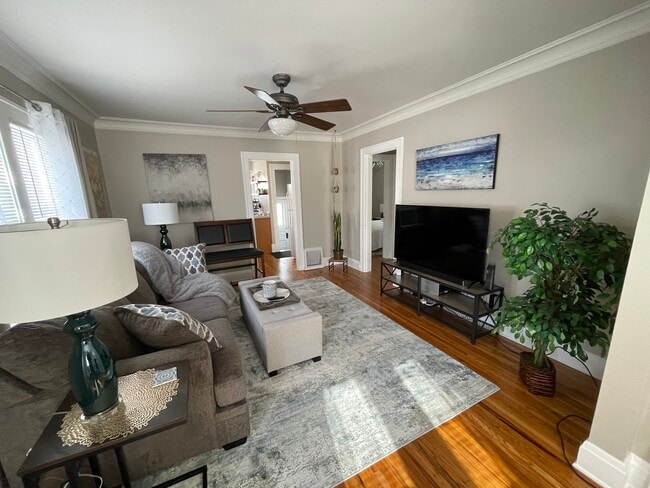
{"x": 161, "y": 326}
{"x": 191, "y": 257}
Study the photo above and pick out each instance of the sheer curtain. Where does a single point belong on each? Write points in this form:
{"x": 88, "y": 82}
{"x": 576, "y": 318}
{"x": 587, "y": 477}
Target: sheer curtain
{"x": 61, "y": 188}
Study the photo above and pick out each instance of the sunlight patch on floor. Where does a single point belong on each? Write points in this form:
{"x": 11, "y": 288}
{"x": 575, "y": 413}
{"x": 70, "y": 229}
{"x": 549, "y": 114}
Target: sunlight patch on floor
{"x": 353, "y": 420}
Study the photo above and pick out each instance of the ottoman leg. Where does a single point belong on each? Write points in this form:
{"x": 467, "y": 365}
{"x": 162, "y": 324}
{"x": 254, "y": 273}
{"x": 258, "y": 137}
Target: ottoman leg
{"x": 316, "y": 359}
{"x": 273, "y": 373}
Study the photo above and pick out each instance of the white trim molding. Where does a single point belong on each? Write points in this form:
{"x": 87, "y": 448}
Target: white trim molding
{"x": 621, "y": 27}
{"x": 611, "y": 472}
{"x": 133, "y": 125}
{"x": 365, "y": 193}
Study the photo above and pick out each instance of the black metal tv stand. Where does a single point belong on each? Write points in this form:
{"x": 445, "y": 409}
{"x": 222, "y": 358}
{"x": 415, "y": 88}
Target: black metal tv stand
{"x": 465, "y": 308}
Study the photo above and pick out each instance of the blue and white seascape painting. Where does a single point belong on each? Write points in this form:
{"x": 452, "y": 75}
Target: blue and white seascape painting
{"x": 462, "y": 165}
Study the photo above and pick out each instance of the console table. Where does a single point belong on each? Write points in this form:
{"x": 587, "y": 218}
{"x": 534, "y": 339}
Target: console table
{"x": 465, "y": 308}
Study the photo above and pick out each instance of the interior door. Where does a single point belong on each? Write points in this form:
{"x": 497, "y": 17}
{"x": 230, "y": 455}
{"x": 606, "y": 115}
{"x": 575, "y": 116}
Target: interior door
{"x": 282, "y": 223}
{"x": 291, "y": 216}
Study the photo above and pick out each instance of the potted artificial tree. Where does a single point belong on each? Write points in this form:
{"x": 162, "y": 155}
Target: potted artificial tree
{"x": 576, "y": 268}
{"x": 336, "y": 247}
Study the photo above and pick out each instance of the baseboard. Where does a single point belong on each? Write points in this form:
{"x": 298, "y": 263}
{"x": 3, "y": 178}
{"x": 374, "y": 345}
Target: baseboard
{"x": 353, "y": 263}
{"x": 611, "y": 472}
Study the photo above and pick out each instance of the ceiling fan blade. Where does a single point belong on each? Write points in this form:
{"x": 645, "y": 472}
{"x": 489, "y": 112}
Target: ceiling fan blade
{"x": 228, "y": 110}
{"x": 338, "y": 105}
{"x": 265, "y": 126}
{"x": 262, "y": 95}
{"x": 313, "y": 121}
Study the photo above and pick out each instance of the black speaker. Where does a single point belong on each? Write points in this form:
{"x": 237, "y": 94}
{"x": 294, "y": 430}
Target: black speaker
{"x": 489, "y": 277}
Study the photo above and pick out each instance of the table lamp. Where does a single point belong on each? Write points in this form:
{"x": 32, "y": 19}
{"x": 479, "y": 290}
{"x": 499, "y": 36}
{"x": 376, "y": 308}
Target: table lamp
{"x": 65, "y": 268}
{"x": 161, "y": 214}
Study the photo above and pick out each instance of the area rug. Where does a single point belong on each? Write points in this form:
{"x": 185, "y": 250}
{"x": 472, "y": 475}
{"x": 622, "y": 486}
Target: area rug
{"x": 281, "y": 254}
{"x": 377, "y": 388}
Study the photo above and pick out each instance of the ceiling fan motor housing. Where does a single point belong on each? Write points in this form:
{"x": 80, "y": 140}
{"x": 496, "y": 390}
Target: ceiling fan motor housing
{"x": 285, "y": 100}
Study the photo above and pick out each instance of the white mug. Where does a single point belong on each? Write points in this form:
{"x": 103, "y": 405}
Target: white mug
{"x": 270, "y": 288}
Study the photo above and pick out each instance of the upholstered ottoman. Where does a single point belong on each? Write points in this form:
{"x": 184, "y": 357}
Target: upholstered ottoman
{"x": 284, "y": 335}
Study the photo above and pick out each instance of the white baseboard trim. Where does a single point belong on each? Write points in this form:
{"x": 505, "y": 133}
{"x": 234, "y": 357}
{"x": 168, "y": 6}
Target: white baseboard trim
{"x": 353, "y": 263}
{"x": 611, "y": 472}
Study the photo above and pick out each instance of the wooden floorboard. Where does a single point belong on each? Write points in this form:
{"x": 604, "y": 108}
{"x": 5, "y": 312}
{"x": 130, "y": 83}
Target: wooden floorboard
{"x": 507, "y": 440}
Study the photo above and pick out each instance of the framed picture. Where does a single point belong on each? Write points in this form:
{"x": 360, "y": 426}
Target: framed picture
{"x": 180, "y": 178}
{"x": 464, "y": 165}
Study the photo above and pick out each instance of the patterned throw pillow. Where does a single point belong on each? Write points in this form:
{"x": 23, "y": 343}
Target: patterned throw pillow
{"x": 161, "y": 326}
{"x": 191, "y": 257}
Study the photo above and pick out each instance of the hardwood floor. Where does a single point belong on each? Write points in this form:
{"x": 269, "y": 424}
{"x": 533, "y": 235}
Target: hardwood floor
{"x": 507, "y": 440}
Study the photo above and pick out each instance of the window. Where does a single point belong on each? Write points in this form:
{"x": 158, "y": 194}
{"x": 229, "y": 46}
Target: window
{"x": 9, "y": 209}
{"x": 35, "y": 183}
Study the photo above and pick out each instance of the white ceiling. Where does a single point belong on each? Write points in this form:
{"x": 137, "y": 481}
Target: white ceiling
{"x": 167, "y": 60}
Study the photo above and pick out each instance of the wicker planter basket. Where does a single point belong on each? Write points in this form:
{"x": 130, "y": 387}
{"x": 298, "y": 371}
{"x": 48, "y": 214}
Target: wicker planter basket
{"x": 538, "y": 381}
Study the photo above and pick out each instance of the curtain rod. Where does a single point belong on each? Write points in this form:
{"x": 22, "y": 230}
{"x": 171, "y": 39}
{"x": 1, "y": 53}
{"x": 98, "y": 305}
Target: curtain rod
{"x": 34, "y": 105}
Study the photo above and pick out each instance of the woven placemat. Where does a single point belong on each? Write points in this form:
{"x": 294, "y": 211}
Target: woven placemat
{"x": 140, "y": 402}
{"x": 292, "y": 298}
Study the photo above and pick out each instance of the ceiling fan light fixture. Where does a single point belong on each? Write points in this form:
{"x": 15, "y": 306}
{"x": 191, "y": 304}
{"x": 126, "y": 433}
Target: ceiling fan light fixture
{"x": 282, "y": 126}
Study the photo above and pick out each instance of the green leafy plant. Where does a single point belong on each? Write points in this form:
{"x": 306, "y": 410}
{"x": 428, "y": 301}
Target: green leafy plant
{"x": 576, "y": 269}
{"x": 336, "y": 221}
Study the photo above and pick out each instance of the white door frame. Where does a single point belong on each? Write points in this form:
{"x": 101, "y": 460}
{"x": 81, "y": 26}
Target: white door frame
{"x": 294, "y": 167}
{"x": 365, "y": 193}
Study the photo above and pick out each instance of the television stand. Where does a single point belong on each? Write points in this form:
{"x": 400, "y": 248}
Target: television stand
{"x": 465, "y": 308}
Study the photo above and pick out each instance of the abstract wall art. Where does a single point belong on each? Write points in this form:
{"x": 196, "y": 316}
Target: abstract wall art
{"x": 181, "y": 178}
{"x": 463, "y": 165}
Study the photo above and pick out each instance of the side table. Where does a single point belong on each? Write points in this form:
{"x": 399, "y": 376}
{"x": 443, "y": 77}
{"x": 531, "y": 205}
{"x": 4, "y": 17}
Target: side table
{"x": 333, "y": 261}
{"x": 49, "y": 453}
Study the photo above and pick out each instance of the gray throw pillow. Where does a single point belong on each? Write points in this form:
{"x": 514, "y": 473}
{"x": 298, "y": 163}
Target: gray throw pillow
{"x": 161, "y": 326}
{"x": 191, "y": 257}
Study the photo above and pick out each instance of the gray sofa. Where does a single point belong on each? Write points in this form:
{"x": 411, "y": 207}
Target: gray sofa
{"x": 33, "y": 382}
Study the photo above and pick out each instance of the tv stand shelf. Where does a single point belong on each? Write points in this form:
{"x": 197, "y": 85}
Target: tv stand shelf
{"x": 466, "y": 308}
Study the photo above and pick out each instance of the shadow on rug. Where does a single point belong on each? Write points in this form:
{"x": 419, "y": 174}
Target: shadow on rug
{"x": 377, "y": 388}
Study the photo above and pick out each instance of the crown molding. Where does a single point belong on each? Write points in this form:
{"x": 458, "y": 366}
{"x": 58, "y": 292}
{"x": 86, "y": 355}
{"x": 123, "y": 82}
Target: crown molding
{"x": 134, "y": 125}
{"x": 619, "y": 28}
{"x": 25, "y": 68}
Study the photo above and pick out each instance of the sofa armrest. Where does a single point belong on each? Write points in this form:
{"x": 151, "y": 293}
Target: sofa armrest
{"x": 196, "y": 354}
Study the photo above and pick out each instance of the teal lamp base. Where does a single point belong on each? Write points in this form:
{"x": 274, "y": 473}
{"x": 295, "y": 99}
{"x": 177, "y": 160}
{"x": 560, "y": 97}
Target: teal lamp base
{"x": 91, "y": 371}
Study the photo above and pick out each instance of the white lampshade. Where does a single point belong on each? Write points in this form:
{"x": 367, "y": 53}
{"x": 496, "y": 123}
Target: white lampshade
{"x": 160, "y": 213}
{"x": 49, "y": 273}
{"x": 282, "y": 126}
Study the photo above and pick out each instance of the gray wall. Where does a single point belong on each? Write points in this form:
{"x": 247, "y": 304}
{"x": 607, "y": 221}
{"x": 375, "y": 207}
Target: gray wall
{"x": 576, "y": 136}
{"x": 121, "y": 153}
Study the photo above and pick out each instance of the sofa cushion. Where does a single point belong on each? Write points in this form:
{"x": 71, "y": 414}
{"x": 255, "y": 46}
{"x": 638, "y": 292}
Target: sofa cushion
{"x": 191, "y": 257}
{"x": 162, "y": 326}
{"x": 37, "y": 353}
{"x": 203, "y": 308}
{"x": 143, "y": 293}
{"x": 227, "y": 365}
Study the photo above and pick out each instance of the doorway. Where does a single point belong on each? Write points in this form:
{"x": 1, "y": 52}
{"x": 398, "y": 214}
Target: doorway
{"x": 293, "y": 197}
{"x": 280, "y": 189}
{"x": 391, "y": 154}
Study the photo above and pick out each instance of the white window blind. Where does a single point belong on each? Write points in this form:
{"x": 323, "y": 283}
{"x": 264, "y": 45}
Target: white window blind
{"x": 9, "y": 208}
{"x": 38, "y": 176}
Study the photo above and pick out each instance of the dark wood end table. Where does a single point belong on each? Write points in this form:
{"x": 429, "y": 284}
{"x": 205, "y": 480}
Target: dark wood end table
{"x": 49, "y": 453}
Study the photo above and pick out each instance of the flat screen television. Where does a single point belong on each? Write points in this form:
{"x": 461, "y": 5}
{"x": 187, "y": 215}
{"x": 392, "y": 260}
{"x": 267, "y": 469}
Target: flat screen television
{"x": 448, "y": 242}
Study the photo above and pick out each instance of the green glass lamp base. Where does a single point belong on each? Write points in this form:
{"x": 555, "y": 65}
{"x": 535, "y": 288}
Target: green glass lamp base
{"x": 165, "y": 242}
{"x": 91, "y": 371}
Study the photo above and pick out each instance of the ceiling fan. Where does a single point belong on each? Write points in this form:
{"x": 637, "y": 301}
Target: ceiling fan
{"x": 287, "y": 109}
